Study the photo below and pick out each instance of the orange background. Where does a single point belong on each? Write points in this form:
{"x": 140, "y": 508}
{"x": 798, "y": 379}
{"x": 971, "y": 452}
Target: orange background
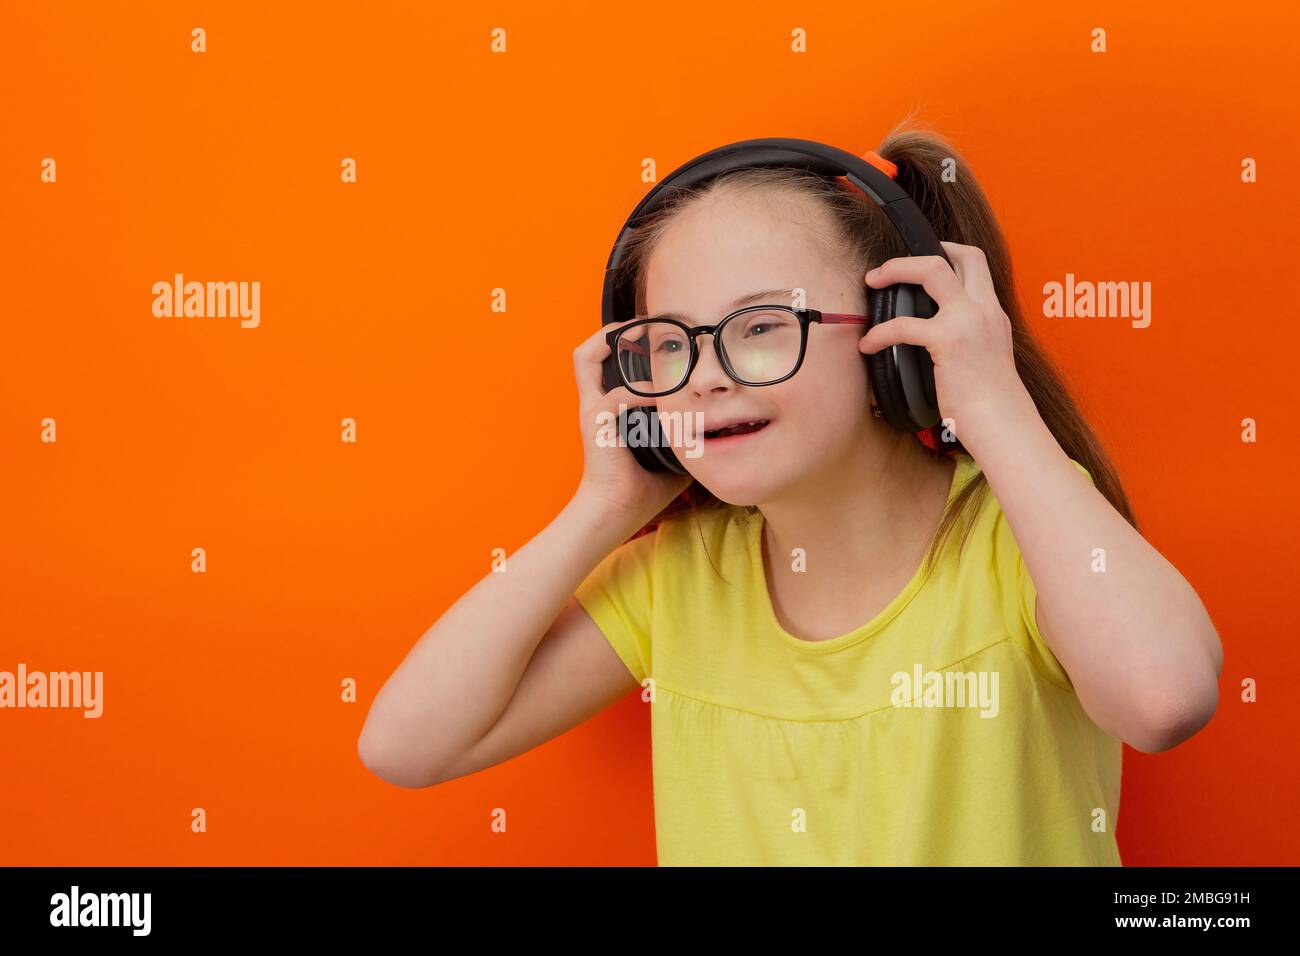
{"x": 328, "y": 560}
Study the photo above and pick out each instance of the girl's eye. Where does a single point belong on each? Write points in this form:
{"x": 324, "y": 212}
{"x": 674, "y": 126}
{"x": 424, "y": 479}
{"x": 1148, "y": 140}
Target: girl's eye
{"x": 668, "y": 346}
{"x": 767, "y": 325}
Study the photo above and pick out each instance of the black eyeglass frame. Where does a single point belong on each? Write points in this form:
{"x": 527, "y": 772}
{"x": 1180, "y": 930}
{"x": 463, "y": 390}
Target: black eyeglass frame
{"x": 804, "y": 316}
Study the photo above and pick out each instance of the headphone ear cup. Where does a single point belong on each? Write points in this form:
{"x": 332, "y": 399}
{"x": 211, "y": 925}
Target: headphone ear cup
{"x": 647, "y": 441}
{"x": 882, "y": 369}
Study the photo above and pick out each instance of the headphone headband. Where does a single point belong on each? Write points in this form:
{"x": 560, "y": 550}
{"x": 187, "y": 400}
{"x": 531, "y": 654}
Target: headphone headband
{"x": 619, "y": 299}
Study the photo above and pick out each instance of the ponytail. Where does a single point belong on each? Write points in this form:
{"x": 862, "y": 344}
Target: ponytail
{"x": 937, "y": 178}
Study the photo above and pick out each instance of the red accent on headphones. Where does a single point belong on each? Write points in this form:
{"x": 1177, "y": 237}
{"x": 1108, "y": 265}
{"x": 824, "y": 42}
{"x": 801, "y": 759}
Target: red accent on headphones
{"x": 882, "y": 164}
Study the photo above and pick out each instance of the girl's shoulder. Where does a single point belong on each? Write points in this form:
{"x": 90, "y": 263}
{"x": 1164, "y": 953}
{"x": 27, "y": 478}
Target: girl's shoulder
{"x": 712, "y": 521}
{"x": 688, "y": 544}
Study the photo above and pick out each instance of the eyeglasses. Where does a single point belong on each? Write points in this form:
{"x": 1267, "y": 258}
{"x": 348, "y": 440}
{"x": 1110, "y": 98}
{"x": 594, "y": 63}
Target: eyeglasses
{"x": 756, "y": 345}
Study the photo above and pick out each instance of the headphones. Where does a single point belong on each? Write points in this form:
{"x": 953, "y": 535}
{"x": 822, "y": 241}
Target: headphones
{"x": 902, "y": 375}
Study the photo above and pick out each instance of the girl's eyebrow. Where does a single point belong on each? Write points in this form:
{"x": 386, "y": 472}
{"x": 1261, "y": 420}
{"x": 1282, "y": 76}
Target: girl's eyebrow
{"x": 753, "y": 298}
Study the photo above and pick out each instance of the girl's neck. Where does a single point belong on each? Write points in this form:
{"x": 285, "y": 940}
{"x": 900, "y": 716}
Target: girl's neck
{"x": 864, "y": 519}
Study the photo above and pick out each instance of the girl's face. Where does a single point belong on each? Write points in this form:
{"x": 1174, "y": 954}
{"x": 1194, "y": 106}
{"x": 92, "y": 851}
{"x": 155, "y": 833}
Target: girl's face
{"x": 819, "y": 421}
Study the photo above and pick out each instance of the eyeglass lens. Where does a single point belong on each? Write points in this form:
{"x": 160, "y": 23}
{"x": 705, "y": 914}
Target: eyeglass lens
{"x": 761, "y": 346}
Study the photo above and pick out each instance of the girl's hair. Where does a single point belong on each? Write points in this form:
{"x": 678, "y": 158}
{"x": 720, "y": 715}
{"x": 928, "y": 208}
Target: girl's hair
{"x": 863, "y": 238}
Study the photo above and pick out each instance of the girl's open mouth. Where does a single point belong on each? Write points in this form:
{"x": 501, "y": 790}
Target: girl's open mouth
{"x": 733, "y": 433}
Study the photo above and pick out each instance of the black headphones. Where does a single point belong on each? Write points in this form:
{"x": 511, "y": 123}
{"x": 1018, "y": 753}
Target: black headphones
{"x": 902, "y": 376}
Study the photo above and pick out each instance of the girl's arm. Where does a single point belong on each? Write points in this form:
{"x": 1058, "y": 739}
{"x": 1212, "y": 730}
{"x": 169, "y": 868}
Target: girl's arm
{"x": 1135, "y": 639}
{"x": 443, "y": 713}
{"x": 1138, "y": 645}
{"x": 477, "y": 688}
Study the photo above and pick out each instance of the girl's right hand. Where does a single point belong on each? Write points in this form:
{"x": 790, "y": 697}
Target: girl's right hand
{"x": 611, "y": 477}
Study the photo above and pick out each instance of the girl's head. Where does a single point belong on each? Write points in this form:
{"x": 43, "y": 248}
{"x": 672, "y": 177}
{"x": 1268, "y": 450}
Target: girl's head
{"x": 754, "y": 240}
{"x": 781, "y": 231}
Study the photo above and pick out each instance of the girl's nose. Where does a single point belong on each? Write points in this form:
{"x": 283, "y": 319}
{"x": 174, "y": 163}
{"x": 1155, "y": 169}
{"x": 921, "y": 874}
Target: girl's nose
{"x": 708, "y": 373}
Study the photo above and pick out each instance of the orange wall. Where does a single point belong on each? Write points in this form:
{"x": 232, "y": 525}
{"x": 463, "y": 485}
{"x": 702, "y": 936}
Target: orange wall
{"x": 328, "y": 560}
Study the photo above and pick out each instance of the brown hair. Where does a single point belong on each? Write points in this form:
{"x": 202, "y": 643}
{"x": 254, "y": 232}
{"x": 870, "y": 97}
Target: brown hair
{"x": 862, "y": 239}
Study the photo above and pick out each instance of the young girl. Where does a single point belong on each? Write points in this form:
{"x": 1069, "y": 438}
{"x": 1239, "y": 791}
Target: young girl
{"x": 835, "y": 675}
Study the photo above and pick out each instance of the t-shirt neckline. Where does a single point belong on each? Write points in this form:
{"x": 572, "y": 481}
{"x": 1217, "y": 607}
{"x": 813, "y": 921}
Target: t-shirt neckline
{"x": 862, "y": 631}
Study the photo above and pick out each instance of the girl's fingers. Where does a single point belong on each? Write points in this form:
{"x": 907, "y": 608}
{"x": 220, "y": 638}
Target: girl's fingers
{"x": 588, "y": 359}
{"x": 973, "y": 270}
{"x": 909, "y": 329}
{"x": 932, "y": 273}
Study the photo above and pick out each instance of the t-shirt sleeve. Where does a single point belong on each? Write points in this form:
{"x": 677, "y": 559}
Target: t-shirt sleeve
{"x": 1020, "y": 602}
{"x": 617, "y": 595}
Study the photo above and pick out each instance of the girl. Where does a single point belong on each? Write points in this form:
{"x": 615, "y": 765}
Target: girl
{"x": 836, "y": 676}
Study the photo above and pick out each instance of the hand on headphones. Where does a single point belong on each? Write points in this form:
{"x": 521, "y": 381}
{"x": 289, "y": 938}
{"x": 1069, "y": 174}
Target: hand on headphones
{"x": 622, "y": 491}
{"x": 969, "y": 338}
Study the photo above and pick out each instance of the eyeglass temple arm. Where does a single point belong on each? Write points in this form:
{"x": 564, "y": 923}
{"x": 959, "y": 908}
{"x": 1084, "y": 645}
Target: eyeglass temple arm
{"x": 842, "y": 318}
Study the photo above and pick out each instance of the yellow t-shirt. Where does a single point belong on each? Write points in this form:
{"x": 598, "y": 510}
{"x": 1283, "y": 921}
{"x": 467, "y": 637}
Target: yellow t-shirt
{"x": 772, "y": 750}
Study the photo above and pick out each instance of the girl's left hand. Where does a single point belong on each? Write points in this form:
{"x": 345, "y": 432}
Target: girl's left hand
{"x": 969, "y": 338}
